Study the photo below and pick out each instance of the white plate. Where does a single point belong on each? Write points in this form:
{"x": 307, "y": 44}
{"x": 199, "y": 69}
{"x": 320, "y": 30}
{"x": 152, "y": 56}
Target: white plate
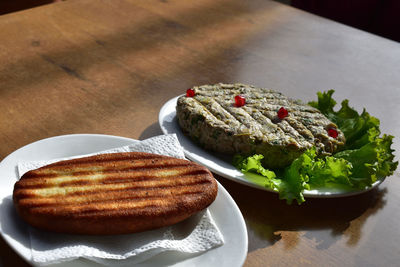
{"x": 222, "y": 165}
{"x": 224, "y": 210}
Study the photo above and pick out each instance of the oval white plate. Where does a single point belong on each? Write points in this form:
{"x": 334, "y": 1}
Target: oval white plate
{"x": 224, "y": 210}
{"x": 221, "y": 165}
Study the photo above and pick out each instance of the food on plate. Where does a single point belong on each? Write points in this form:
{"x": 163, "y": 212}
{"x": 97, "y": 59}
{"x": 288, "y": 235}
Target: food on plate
{"x": 365, "y": 159}
{"x": 290, "y": 146}
{"x": 113, "y": 193}
{"x": 243, "y": 119}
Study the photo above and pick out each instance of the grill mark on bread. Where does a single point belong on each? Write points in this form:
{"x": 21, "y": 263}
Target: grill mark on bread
{"x": 111, "y": 157}
{"x": 105, "y": 206}
{"x": 51, "y": 190}
{"x": 114, "y": 195}
{"x": 119, "y": 164}
{"x": 124, "y": 206}
{"x": 79, "y": 189}
{"x": 146, "y": 212}
{"x": 108, "y": 176}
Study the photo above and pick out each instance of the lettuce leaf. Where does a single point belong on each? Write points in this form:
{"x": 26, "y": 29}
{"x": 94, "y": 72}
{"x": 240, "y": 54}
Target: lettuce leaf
{"x": 372, "y": 161}
{"x": 353, "y": 125}
{"x": 306, "y": 172}
{"x": 365, "y": 158}
{"x": 370, "y": 155}
{"x": 253, "y": 164}
{"x": 295, "y": 179}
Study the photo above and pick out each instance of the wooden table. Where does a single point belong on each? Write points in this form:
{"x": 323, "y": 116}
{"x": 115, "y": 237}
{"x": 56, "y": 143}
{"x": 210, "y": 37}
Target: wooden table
{"x": 108, "y": 66}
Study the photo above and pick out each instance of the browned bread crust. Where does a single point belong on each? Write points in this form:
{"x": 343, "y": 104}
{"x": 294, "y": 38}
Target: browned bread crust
{"x": 113, "y": 193}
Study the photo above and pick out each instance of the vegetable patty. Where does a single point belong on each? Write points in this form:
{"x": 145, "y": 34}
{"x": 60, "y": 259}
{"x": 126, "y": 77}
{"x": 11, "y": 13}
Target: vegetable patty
{"x": 260, "y": 121}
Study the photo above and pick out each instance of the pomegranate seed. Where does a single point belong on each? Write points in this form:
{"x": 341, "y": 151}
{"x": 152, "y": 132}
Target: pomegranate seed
{"x": 332, "y": 132}
{"x": 190, "y": 93}
{"x": 282, "y": 113}
{"x": 240, "y": 101}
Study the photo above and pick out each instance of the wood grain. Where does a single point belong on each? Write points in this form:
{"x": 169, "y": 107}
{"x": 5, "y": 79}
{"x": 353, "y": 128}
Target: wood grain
{"x": 107, "y": 67}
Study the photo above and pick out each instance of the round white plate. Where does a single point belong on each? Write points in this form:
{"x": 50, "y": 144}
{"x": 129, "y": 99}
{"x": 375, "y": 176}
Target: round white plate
{"x": 222, "y": 165}
{"x": 224, "y": 210}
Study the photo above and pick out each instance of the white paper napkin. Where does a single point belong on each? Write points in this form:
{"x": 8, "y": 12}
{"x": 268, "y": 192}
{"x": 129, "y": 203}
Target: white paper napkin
{"x": 194, "y": 235}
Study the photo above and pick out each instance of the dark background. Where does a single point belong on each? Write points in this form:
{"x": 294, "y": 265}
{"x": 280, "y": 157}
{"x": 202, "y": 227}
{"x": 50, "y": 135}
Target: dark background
{"x": 380, "y": 17}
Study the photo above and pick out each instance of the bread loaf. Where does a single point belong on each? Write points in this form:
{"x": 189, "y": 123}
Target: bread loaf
{"x": 113, "y": 193}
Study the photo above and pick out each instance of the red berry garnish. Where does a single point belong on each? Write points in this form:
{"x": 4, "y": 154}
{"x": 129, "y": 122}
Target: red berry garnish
{"x": 190, "y": 92}
{"x": 332, "y": 132}
{"x": 240, "y": 101}
{"x": 282, "y": 113}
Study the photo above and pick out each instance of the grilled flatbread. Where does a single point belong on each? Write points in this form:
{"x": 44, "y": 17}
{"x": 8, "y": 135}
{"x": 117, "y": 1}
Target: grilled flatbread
{"x": 214, "y": 121}
{"x": 113, "y": 193}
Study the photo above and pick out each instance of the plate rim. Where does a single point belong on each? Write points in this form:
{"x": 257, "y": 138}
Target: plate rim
{"x": 307, "y": 193}
{"x": 225, "y": 196}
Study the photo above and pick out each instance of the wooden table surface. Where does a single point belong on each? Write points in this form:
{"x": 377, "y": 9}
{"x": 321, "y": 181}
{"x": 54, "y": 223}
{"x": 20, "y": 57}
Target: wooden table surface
{"x": 107, "y": 67}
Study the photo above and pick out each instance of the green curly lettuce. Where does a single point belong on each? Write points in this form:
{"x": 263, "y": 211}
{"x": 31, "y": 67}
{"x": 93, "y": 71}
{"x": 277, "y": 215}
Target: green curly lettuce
{"x": 366, "y": 157}
{"x": 353, "y": 125}
{"x": 372, "y": 161}
{"x": 253, "y": 164}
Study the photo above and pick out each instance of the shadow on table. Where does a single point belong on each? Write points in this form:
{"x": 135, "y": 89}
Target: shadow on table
{"x": 323, "y": 220}
{"x": 151, "y": 131}
{"x": 13, "y": 226}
